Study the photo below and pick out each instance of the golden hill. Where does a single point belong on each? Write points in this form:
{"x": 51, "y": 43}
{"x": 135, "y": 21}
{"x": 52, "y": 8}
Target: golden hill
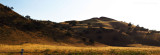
{"x": 103, "y": 31}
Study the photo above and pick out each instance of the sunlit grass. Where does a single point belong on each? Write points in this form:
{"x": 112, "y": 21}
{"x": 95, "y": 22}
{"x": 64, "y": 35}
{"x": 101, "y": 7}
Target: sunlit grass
{"x": 48, "y": 49}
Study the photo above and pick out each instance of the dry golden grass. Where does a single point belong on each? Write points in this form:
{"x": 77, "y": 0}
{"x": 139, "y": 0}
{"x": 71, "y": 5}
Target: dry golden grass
{"x": 68, "y": 49}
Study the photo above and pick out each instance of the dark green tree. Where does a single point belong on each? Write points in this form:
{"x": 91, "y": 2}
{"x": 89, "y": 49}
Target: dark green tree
{"x": 91, "y": 41}
{"x": 84, "y": 39}
{"x": 130, "y": 24}
{"x": 28, "y": 17}
{"x": 68, "y": 34}
{"x": 11, "y": 8}
{"x": 72, "y": 23}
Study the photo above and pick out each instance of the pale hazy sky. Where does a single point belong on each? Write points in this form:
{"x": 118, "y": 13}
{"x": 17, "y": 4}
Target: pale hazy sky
{"x": 146, "y": 13}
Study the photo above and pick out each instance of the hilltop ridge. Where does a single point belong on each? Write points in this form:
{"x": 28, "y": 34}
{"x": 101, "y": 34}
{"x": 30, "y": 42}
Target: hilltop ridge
{"x": 16, "y": 29}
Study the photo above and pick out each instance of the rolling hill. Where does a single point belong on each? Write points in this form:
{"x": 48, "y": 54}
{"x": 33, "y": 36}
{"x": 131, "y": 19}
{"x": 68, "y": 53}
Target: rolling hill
{"x": 16, "y": 29}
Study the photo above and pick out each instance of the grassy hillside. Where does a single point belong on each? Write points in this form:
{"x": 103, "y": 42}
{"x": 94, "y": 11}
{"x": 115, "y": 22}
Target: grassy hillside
{"x": 16, "y": 29}
{"x": 102, "y": 31}
{"x": 115, "y": 33}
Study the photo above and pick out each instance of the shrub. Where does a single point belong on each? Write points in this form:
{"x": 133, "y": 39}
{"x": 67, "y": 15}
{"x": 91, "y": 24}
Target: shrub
{"x": 47, "y": 52}
{"x": 84, "y": 39}
{"x": 91, "y": 41}
{"x": 28, "y": 17}
{"x": 11, "y": 8}
{"x": 129, "y": 24}
{"x": 130, "y": 29}
{"x": 68, "y": 34}
{"x": 72, "y": 23}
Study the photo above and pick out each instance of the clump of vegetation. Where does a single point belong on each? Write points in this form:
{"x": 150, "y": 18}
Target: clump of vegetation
{"x": 47, "y": 52}
{"x": 129, "y": 24}
{"x": 126, "y": 52}
{"x": 68, "y": 34}
{"x": 91, "y": 41}
{"x": 84, "y": 39}
{"x": 72, "y": 23}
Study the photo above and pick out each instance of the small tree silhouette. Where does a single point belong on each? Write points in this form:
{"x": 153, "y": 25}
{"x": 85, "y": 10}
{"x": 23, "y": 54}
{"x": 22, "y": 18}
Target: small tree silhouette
{"x": 84, "y": 39}
{"x": 102, "y": 17}
{"x": 11, "y": 8}
{"x": 68, "y": 34}
{"x": 73, "y": 23}
{"x": 129, "y": 24}
{"x": 129, "y": 28}
{"x": 28, "y": 17}
{"x": 91, "y": 41}
{"x": 137, "y": 26}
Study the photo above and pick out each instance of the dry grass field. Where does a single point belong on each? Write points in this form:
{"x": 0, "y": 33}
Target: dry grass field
{"x": 95, "y": 36}
{"x": 37, "y": 49}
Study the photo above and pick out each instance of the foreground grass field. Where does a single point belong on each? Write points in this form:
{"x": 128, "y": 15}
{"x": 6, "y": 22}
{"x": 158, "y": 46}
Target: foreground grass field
{"x": 37, "y": 49}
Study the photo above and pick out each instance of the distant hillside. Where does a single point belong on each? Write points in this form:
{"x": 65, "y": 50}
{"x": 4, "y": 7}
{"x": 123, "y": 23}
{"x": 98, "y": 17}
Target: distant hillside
{"x": 16, "y": 29}
{"x": 115, "y": 33}
{"x": 98, "y": 31}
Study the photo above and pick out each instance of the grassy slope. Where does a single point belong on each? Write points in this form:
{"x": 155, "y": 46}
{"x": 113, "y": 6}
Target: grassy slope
{"x": 16, "y": 29}
{"x": 115, "y": 33}
{"x": 17, "y": 32}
